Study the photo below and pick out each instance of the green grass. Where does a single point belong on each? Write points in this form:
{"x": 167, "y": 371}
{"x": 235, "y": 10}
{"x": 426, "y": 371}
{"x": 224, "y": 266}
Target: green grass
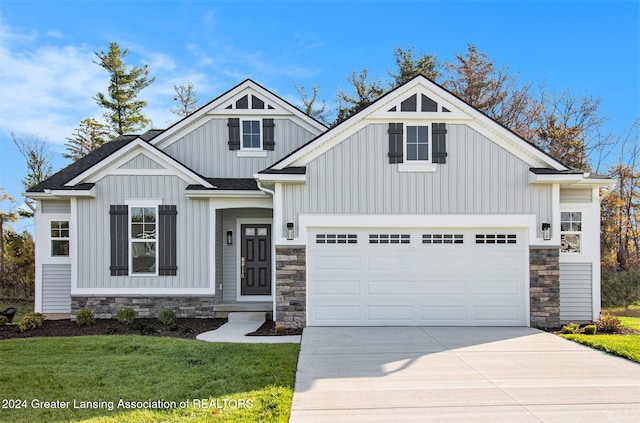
{"x": 136, "y": 368}
{"x": 627, "y": 346}
{"x": 23, "y": 306}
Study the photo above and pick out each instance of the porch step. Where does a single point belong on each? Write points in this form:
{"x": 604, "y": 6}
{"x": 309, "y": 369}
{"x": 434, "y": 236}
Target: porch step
{"x": 247, "y": 317}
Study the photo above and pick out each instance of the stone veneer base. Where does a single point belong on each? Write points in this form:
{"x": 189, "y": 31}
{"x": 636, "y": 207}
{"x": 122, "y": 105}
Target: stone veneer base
{"x": 544, "y": 287}
{"x": 145, "y": 307}
{"x": 291, "y": 287}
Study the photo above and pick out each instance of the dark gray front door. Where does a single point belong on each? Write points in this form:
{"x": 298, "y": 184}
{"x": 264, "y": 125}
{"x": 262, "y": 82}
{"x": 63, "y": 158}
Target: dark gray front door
{"x": 255, "y": 260}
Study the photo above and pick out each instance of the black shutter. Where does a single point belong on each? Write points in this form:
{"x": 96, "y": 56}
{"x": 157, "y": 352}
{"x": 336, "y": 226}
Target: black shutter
{"x": 439, "y": 131}
{"x": 234, "y": 133}
{"x": 167, "y": 257}
{"x": 119, "y": 217}
{"x": 395, "y": 143}
{"x": 268, "y": 143}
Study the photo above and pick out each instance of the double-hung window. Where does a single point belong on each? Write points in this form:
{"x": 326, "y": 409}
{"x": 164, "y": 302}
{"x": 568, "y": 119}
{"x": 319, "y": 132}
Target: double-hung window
{"x": 251, "y": 136}
{"x": 59, "y": 238}
{"x": 571, "y": 232}
{"x": 417, "y": 145}
{"x": 143, "y": 240}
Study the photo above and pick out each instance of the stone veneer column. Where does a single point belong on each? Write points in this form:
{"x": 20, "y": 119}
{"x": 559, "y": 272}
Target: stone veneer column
{"x": 291, "y": 287}
{"x": 544, "y": 287}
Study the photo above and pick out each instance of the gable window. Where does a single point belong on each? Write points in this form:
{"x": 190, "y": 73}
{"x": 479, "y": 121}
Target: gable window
{"x": 59, "y": 238}
{"x": 251, "y": 139}
{"x": 417, "y": 143}
{"x": 571, "y": 232}
{"x": 143, "y": 238}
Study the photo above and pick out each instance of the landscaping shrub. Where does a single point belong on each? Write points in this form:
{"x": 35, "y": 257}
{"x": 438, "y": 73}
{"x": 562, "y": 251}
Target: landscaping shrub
{"x": 570, "y": 328}
{"x": 620, "y": 289}
{"x": 31, "y": 321}
{"x": 167, "y": 316}
{"x": 590, "y": 329}
{"x": 608, "y": 324}
{"x": 126, "y": 315}
{"x": 85, "y": 317}
{"x": 3, "y": 320}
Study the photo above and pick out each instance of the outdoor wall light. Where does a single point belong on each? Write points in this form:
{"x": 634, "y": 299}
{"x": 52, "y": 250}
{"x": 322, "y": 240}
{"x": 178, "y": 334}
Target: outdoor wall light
{"x": 546, "y": 231}
{"x": 290, "y": 230}
{"x": 229, "y": 237}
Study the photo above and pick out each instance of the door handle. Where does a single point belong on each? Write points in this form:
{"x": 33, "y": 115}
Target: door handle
{"x": 242, "y": 264}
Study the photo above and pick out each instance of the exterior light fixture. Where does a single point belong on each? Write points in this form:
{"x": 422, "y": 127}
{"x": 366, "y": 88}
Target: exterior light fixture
{"x": 546, "y": 231}
{"x": 290, "y": 230}
{"x": 229, "y": 237}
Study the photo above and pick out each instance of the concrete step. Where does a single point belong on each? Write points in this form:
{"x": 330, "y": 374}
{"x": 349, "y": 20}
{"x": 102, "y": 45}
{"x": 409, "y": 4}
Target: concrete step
{"x": 247, "y": 316}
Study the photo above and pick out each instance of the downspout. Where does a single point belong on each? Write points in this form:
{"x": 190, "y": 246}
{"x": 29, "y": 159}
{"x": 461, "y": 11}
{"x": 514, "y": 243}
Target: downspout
{"x": 26, "y": 201}
{"x": 273, "y": 195}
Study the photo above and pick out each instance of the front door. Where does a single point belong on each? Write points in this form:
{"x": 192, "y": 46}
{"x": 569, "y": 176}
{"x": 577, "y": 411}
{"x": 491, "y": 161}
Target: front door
{"x": 255, "y": 260}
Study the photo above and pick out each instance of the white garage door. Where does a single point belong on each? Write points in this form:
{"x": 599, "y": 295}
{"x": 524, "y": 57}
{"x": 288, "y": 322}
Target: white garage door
{"x": 423, "y": 277}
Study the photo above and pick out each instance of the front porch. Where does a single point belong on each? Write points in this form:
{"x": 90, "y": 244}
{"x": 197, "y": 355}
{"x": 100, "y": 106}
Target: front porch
{"x": 223, "y": 310}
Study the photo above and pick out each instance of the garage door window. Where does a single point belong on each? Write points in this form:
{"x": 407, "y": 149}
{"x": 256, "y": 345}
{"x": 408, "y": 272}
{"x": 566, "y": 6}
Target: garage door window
{"x": 336, "y": 239}
{"x": 389, "y": 239}
{"x": 496, "y": 238}
{"x": 442, "y": 239}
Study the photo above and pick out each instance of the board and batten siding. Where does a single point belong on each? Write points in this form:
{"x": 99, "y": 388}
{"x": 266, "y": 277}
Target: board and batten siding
{"x": 576, "y": 299}
{"x": 141, "y": 161}
{"x": 205, "y": 150}
{"x": 230, "y": 262}
{"x": 56, "y": 206}
{"x": 94, "y": 233}
{"x": 355, "y": 177}
{"x": 56, "y": 288}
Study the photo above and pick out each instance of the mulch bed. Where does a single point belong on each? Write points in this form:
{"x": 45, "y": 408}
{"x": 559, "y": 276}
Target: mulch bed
{"x": 269, "y": 329}
{"x": 183, "y": 328}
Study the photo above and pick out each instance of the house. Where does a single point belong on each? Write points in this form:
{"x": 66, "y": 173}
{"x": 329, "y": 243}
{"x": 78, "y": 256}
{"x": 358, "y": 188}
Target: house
{"x": 418, "y": 210}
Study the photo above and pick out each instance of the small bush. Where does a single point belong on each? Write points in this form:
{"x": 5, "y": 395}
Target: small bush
{"x": 126, "y": 315}
{"x": 3, "y": 320}
{"x": 590, "y": 329}
{"x": 31, "y": 321}
{"x": 570, "y": 328}
{"x": 167, "y": 316}
{"x": 609, "y": 324}
{"x": 85, "y": 317}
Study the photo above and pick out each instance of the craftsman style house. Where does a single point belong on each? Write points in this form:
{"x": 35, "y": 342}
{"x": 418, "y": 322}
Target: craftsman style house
{"x": 418, "y": 210}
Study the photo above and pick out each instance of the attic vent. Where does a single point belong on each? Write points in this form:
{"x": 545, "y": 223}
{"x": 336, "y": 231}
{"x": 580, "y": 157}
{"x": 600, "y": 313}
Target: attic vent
{"x": 243, "y": 103}
{"x": 256, "y": 103}
{"x": 410, "y": 104}
{"x": 428, "y": 105}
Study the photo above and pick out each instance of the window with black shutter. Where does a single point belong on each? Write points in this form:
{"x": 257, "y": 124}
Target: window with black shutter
{"x": 395, "y": 143}
{"x": 234, "y": 133}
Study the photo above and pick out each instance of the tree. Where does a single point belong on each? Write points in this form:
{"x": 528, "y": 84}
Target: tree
{"x": 89, "y": 136}
{"x": 5, "y": 217}
{"x": 123, "y": 112}
{"x": 186, "y": 98}
{"x": 320, "y": 112}
{"x": 473, "y": 78}
{"x": 366, "y": 93}
{"x": 37, "y": 154}
{"x": 408, "y": 67}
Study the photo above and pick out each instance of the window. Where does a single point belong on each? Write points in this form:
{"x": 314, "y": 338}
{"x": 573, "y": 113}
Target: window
{"x": 570, "y": 232}
{"x": 336, "y": 239}
{"x": 251, "y": 135}
{"x": 389, "y": 239}
{"x": 143, "y": 238}
{"x": 442, "y": 239}
{"x": 60, "y": 238}
{"x": 496, "y": 239}
{"x": 417, "y": 143}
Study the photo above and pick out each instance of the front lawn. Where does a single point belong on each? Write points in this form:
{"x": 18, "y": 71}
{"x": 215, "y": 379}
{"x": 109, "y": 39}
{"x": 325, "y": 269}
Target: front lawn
{"x": 233, "y": 382}
{"x": 627, "y": 346}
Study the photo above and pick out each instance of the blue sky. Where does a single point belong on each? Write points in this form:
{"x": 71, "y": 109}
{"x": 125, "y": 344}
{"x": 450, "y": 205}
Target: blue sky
{"x": 47, "y": 78}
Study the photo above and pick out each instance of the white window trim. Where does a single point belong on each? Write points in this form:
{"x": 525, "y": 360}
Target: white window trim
{"x": 580, "y": 232}
{"x": 429, "y": 143}
{"x": 242, "y": 147}
{"x": 50, "y": 258}
{"x": 144, "y": 203}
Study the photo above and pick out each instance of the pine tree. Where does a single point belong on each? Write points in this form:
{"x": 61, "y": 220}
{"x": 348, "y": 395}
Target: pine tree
{"x": 366, "y": 93}
{"x": 408, "y": 66}
{"x": 89, "y": 136}
{"x": 123, "y": 112}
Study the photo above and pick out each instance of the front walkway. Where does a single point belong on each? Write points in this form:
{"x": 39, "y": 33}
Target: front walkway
{"x": 459, "y": 375}
{"x": 238, "y": 326}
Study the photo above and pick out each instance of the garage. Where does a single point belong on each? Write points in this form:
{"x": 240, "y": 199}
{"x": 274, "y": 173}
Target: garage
{"x": 417, "y": 277}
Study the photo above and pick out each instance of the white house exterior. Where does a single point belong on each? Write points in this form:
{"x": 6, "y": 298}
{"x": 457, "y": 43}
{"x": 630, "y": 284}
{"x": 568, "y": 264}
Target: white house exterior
{"x": 418, "y": 210}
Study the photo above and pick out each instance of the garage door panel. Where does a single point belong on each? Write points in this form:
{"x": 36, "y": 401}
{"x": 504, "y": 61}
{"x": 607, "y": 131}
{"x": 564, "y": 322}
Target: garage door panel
{"x": 433, "y": 283}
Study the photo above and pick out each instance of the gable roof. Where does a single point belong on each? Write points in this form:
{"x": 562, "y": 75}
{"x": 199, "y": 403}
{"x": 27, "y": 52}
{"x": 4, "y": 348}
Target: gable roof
{"x": 219, "y": 106}
{"x": 377, "y": 110}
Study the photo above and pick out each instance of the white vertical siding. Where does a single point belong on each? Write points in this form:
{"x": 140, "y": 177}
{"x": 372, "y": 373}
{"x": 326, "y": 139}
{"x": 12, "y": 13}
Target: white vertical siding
{"x": 205, "y": 150}
{"x": 479, "y": 177}
{"x": 575, "y": 292}
{"x": 94, "y": 233}
{"x": 56, "y": 206}
{"x": 141, "y": 161}
{"x": 56, "y": 288}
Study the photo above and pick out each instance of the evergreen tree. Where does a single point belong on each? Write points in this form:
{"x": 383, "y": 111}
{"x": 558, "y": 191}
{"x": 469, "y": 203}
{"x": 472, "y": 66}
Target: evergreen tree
{"x": 408, "y": 66}
{"x": 366, "y": 93}
{"x": 88, "y": 137}
{"x": 123, "y": 111}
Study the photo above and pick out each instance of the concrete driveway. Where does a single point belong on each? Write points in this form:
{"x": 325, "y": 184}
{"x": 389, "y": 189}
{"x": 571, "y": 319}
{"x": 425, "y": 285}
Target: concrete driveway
{"x": 459, "y": 375}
